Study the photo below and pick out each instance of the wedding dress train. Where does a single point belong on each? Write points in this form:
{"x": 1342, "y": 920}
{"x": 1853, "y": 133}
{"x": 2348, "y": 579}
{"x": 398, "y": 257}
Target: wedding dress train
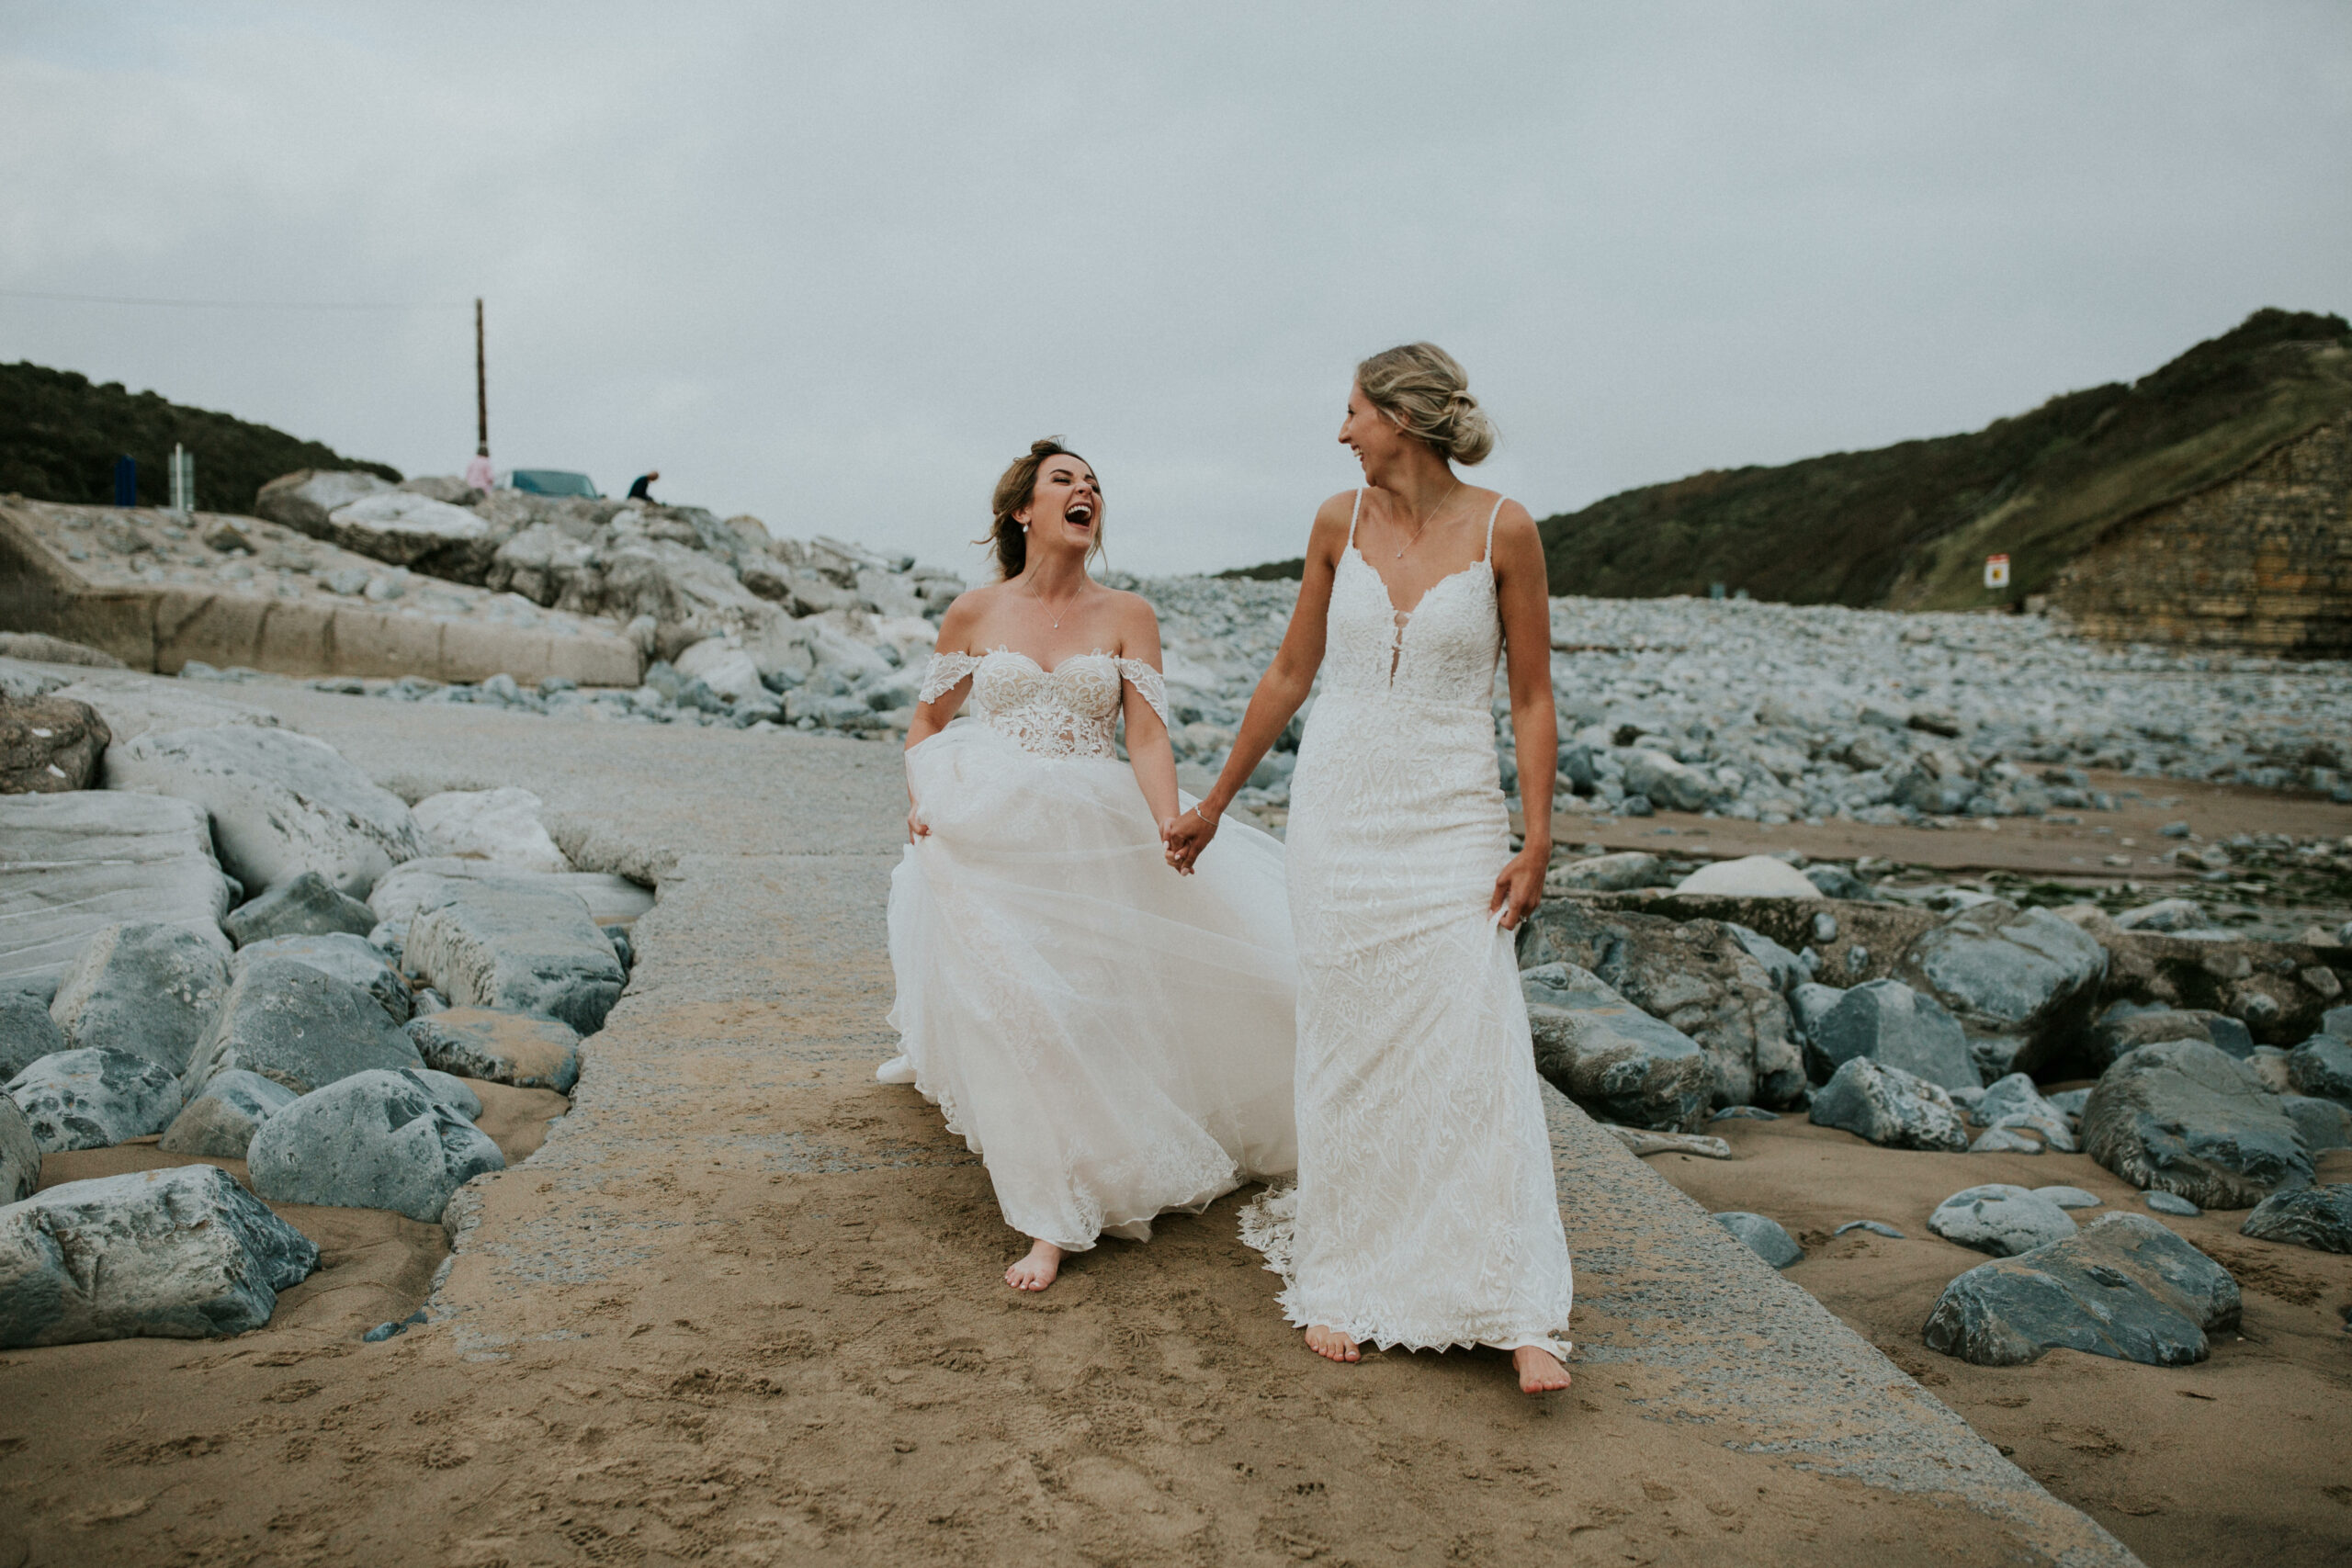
{"x": 1113, "y": 1040}
{"x": 1425, "y": 1214}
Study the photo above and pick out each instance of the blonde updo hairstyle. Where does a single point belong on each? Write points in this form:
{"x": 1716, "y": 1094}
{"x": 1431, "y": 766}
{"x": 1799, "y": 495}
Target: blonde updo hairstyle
{"x": 1424, "y": 392}
{"x": 1006, "y": 537}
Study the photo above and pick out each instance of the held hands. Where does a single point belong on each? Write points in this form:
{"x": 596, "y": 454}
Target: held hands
{"x": 1519, "y": 887}
{"x": 1185, "y": 837}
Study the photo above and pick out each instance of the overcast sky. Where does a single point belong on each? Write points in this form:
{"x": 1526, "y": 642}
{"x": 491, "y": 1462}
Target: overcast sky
{"x": 836, "y": 264}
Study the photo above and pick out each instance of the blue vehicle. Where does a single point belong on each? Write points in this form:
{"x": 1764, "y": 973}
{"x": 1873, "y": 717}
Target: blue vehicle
{"x": 549, "y": 482}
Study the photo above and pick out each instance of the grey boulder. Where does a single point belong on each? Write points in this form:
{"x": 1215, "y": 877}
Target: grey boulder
{"x": 2165, "y": 1202}
{"x": 2125, "y": 1287}
{"x": 179, "y": 1254}
{"x": 48, "y": 745}
{"x": 94, "y": 1099}
{"x": 19, "y": 1154}
{"x": 1611, "y": 1057}
{"x": 76, "y": 864}
{"x": 522, "y": 949}
{"x": 1750, "y": 876}
{"x": 411, "y": 887}
{"x": 1787, "y": 971}
{"x": 2014, "y": 1102}
{"x": 1604, "y": 873}
{"x": 297, "y": 1026}
{"x": 504, "y": 1047}
{"x": 1695, "y": 975}
{"x": 1889, "y": 1107}
{"x": 2318, "y": 1217}
{"x": 27, "y": 1031}
{"x": 281, "y": 804}
{"x": 447, "y": 1089}
{"x": 1809, "y": 1003}
{"x": 2322, "y": 1067}
{"x": 2124, "y": 1027}
{"x": 2000, "y": 1219}
{"x": 145, "y": 987}
{"x": 2325, "y": 1124}
{"x": 1895, "y": 1026}
{"x": 2068, "y": 1197}
{"x": 220, "y": 1121}
{"x": 2182, "y": 1117}
{"x": 1676, "y": 786}
{"x": 1762, "y": 1236}
{"x": 2021, "y": 981}
{"x": 307, "y": 497}
{"x": 354, "y": 960}
{"x": 305, "y": 906}
{"x": 375, "y": 1140}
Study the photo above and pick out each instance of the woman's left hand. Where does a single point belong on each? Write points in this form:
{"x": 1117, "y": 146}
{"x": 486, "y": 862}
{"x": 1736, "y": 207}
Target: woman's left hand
{"x": 1519, "y": 887}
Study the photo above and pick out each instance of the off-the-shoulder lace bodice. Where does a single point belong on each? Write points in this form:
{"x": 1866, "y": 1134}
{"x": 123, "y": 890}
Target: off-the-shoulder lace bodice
{"x": 1070, "y": 710}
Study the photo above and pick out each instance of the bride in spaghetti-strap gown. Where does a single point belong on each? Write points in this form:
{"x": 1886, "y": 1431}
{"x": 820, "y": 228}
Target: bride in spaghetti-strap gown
{"x": 1115, "y": 1041}
{"x": 1425, "y": 1214}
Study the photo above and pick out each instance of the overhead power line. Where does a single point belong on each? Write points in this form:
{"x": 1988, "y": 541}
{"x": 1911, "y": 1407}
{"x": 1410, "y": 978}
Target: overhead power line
{"x": 239, "y": 304}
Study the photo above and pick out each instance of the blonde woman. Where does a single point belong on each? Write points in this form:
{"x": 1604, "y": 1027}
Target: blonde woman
{"x": 1425, "y": 1214}
{"x": 1113, "y": 1040}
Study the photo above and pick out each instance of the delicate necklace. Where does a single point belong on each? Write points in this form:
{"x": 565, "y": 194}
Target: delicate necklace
{"x": 1065, "y": 603}
{"x": 1427, "y": 521}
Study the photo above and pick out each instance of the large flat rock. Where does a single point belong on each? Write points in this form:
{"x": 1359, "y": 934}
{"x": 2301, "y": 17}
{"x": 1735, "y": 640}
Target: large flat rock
{"x": 73, "y": 864}
{"x": 522, "y": 949}
{"x": 281, "y": 804}
{"x": 174, "y": 599}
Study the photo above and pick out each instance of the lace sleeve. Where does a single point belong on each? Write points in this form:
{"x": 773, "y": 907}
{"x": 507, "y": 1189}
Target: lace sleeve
{"x": 945, "y": 671}
{"x": 1149, "y": 685}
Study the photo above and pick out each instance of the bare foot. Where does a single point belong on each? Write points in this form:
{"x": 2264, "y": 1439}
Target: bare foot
{"x": 1331, "y": 1345}
{"x": 1540, "y": 1371}
{"x": 1036, "y": 1271}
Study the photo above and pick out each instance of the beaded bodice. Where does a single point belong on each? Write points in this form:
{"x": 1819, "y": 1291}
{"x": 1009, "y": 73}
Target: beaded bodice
{"x": 1071, "y": 710}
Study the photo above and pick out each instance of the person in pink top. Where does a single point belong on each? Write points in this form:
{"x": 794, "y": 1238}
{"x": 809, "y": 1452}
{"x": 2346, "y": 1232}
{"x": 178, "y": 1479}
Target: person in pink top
{"x": 478, "y": 471}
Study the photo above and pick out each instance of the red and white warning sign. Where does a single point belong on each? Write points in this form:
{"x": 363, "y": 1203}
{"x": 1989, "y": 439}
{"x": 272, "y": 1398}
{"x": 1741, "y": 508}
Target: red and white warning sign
{"x": 1996, "y": 572}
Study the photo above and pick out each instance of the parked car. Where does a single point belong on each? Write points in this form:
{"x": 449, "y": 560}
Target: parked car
{"x": 550, "y": 482}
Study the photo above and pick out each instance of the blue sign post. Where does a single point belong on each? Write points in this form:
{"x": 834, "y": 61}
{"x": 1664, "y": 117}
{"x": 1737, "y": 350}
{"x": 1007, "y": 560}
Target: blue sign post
{"x": 126, "y": 481}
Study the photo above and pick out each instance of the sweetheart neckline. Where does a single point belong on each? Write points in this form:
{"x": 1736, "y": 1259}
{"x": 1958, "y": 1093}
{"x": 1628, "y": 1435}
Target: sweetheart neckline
{"x": 1388, "y": 594}
{"x": 1037, "y": 665}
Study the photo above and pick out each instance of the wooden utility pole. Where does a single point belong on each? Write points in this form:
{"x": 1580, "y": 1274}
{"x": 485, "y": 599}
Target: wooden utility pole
{"x": 481, "y": 384}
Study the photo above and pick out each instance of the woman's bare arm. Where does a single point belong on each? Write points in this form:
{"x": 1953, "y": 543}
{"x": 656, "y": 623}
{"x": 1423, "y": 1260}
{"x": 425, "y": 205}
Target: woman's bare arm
{"x": 1524, "y": 594}
{"x": 1149, "y": 751}
{"x": 1284, "y": 686}
{"x": 956, "y": 629}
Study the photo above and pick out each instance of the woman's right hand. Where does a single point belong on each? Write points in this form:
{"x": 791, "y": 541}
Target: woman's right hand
{"x": 1187, "y": 838}
{"x": 916, "y": 827}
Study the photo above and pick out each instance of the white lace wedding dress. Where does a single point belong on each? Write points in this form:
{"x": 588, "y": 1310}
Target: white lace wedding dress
{"x": 1425, "y": 1214}
{"x": 1113, "y": 1040}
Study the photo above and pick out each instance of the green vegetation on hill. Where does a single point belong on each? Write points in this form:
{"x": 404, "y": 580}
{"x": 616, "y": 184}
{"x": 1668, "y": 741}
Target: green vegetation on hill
{"x": 1910, "y": 526}
{"x": 60, "y": 434}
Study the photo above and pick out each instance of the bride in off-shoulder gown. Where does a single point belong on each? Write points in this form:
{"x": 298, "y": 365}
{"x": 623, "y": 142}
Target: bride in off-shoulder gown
{"x": 1112, "y": 1039}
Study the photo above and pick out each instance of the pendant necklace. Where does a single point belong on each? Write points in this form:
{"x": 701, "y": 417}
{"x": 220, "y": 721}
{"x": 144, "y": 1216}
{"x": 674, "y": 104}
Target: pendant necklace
{"x": 1426, "y": 522}
{"x": 1065, "y": 603}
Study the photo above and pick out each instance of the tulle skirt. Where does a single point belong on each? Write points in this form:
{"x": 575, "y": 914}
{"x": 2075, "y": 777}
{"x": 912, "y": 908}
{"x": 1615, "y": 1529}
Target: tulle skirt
{"x": 1113, "y": 1040}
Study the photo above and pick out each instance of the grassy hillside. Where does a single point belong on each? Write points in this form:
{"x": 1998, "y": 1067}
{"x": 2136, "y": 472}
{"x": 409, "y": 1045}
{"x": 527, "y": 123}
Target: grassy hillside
{"x": 1910, "y": 526}
{"x": 59, "y": 436}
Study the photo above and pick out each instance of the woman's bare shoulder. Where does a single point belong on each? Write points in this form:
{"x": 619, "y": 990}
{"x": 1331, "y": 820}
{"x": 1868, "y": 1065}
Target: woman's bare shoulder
{"x": 965, "y": 614}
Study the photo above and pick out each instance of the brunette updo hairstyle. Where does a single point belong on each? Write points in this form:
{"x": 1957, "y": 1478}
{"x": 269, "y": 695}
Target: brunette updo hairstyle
{"x": 1014, "y": 492}
{"x": 1424, "y": 391}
